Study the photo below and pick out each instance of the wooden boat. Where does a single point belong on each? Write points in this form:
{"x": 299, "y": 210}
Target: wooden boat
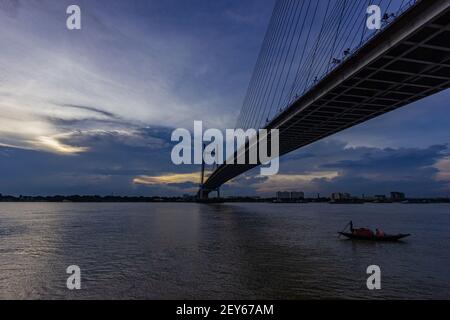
{"x": 373, "y": 237}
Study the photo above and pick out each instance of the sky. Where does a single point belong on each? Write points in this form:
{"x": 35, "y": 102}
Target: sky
{"x": 91, "y": 111}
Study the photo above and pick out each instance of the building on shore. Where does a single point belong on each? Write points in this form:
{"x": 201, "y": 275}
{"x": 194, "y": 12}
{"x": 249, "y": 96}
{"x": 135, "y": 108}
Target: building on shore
{"x": 286, "y": 196}
{"x": 283, "y": 196}
{"x": 297, "y": 195}
{"x": 337, "y": 196}
{"x": 397, "y": 196}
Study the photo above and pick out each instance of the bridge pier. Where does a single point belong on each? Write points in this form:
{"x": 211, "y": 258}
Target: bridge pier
{"x": 203, "y": 194}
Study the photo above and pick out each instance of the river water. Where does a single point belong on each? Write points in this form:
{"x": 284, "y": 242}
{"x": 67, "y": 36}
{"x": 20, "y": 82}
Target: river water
{"x": 221, "y": 251}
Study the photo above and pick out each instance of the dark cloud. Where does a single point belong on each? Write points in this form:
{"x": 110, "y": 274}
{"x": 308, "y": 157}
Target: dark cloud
{"x": 383, "y": 170}
{"x": 92, "y": 109}
{"x": 377, "y": 170}
{"x": 390, "y": 159}
{"x": 104, "y": 141}
{"x": 356, "y": 170}
{"x": 184, "y": 185}
{"x": 88, "y": 123}
{"x": 111, "y": 163}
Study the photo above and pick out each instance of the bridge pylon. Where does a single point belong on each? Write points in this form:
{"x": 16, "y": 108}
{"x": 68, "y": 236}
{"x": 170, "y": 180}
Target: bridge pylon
{"x": 203, "y": 193}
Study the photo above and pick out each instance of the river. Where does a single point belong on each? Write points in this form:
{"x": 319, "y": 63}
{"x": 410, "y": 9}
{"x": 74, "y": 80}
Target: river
{"x": 220, "y": 251}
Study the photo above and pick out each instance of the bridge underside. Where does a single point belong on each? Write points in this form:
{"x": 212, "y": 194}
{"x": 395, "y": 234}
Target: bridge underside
{"x": 406, "y": 62}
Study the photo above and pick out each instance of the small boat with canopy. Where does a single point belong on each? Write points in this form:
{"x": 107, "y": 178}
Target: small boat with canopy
{"x": 368, "y": 234}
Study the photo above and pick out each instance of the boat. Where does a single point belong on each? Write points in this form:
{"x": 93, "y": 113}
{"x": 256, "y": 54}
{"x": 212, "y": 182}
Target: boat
{"x": 367, "y": 234}
{"x": 373, "y": 237}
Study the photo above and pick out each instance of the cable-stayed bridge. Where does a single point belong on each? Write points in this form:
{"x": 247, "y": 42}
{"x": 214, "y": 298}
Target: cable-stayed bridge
{"x": 322, "y": 70}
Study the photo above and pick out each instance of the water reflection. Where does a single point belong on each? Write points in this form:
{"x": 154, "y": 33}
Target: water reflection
{"x": 195, "y": 251}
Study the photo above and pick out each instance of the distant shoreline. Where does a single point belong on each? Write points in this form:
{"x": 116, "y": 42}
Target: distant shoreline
{"x": 192, "y": 199}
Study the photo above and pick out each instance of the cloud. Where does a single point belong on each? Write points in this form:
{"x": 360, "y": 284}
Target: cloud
{"x": 92, "y": 109}
{"x": 170, "y": 179}
{"x": 291, "y": 181}
{"x": 332, "y": 166}
{"x": 387, "y": 164}
{"x": 417, "y": 171}
{"x": 443, "y": 174}
{"x": 141, "y": 71}
{"x": 102, "y": 140}
{"x": 54, "y": 145}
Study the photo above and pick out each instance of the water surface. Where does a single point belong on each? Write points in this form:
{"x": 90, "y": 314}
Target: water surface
{"x": 223, "y": 251}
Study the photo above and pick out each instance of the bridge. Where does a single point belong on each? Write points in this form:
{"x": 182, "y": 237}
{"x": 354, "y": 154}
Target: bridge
{"x": 313, "y": 79}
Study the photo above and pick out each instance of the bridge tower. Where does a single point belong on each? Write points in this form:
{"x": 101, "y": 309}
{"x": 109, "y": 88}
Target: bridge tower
{"x": 203, "y": 193}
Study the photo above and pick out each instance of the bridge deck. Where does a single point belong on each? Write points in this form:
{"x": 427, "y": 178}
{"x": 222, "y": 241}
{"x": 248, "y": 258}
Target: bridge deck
{"x": 407, "y": 61}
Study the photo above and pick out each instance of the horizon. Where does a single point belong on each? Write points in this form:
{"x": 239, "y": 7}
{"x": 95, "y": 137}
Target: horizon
{"x": 306, "y": 196}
